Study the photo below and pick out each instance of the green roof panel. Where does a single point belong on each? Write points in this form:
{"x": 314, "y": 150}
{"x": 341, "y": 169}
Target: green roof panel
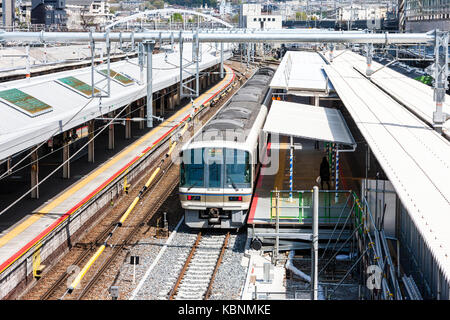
{"x": 78, "y": 86}
{"x": 23, "y": 102}
{"x": 118, "y": 77}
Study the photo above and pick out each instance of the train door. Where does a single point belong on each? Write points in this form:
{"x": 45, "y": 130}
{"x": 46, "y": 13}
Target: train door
{"x": 214, "y": 177}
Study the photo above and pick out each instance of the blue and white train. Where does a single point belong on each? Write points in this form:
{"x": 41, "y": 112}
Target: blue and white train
{"x": 219, "y": 163}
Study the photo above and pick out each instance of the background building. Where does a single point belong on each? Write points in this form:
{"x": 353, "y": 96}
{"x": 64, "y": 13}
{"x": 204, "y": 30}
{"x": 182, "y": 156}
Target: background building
{"x": 426, "y": 15}
{"x": 246, "y": 10}
{"x": 8, "y": 12}
{"x": 83, "y": 14}
{"x": 251, "y": 17}
{"x": 48, "y": 12}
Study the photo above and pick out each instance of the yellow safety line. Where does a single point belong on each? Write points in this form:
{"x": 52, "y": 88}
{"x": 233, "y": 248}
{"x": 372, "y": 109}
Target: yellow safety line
{"x": 36, "y": 216}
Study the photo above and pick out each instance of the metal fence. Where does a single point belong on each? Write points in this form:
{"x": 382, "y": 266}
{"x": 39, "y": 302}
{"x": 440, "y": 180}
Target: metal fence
{"x": 334, "y": 206}
{"x": 345, "y": 211}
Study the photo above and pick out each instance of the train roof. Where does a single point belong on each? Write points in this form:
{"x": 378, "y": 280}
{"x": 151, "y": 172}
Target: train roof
{"x": 235, "y": 120}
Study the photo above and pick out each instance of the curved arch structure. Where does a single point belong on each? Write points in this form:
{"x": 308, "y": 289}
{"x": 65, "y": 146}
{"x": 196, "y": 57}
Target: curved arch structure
{"x": 167, "y": 10}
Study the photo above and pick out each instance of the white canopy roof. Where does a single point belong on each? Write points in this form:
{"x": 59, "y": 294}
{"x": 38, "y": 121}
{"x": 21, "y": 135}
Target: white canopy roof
{"x": 302, "y": 71}
{"x": 307, "y": 121}
{"x": 19, "y": 131}
{"x": 415, "y": 158}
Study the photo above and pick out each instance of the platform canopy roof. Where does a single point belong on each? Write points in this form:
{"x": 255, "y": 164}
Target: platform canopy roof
{"x": 309, "y": 122}
{"x": 414, "y": 157}
{"x": 301, "y": 72}
{"x": 36, "y": 109}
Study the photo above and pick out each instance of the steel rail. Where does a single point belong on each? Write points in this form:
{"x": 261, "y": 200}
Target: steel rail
{"x": 101, "y": 237}
{"x": 125, "y": 242}
{"x": 139, "y": 197}
{"x": 221, "y": 36}
{"x": 219, "y": 261}
{"x": 49, "y": 292}
{"x": 131, "y": 207}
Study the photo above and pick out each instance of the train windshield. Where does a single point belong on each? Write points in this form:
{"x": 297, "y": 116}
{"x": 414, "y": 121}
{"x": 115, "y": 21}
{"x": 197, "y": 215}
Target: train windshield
{"x": 215, "y": 168}
{"x": 237, "y": 169}
{"x": 192, "y": 169}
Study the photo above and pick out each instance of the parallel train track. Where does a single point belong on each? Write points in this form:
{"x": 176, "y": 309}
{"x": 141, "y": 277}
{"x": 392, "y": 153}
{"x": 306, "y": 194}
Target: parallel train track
{"x": 127, "y": 241}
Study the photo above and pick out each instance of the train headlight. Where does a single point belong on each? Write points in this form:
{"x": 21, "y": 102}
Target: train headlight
{"x": 193, "y": 198}
{"x": 237, "y": 198}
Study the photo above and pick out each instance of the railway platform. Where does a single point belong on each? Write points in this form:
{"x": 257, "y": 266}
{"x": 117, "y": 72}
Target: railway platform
{"x": 20, "y": 242}
{"x": 282, "y": 203}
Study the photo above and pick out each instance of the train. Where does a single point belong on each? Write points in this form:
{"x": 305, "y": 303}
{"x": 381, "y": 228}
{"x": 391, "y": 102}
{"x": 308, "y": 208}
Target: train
{"x": 219, "y": 164}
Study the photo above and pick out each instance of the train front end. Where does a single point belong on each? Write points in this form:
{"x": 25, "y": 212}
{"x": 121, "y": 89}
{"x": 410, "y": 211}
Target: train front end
{"x": 216, "y": 186}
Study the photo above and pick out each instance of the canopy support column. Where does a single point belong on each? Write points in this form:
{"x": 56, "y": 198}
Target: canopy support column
{"x": 128, "y": 124}
{"x": 91, "y": 143}
{"x": 149, "y": 45}
{"x": 34, "y": 174}
{"x": 66, "y": 155}
{"x": 111, "y": 135}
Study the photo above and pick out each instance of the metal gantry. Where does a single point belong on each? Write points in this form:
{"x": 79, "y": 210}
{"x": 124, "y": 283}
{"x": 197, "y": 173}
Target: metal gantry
{"x": 438, "y": 38}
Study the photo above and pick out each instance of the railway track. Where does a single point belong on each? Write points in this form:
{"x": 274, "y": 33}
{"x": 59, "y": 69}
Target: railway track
{"x": 197, "y": 274}
{"x": 54, "y": 284}
{"x": 57, "y": 289}
{"x": 116, "y": 249}
{"x": 81, "y": 252}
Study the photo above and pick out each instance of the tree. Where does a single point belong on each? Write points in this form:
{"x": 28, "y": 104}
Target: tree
{"x": 300, "y": 15}
{"x": 177, "y": 17}
{"x": 87, "y": 20}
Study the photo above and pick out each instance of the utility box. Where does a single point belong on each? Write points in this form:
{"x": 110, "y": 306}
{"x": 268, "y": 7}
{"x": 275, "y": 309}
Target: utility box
{"x": 114, "y": 292}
